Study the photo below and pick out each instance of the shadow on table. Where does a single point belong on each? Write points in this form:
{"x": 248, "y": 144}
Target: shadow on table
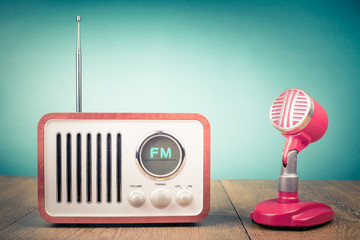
{"x": 211, "y": 220}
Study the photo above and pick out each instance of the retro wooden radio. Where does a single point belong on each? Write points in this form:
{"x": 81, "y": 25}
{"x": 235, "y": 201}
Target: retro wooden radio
{"x": 122, "y": 167}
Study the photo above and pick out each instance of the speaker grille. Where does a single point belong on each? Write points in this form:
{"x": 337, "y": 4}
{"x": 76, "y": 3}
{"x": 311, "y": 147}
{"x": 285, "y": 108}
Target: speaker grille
{"x": 290, "y": 109}
{"x": 101, "y": 174}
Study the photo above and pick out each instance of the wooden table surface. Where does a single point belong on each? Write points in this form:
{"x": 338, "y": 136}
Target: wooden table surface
{"x": 231, "y": 203}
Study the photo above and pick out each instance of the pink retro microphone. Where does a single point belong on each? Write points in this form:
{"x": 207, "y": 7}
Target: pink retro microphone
{"x": 302, "y": 121}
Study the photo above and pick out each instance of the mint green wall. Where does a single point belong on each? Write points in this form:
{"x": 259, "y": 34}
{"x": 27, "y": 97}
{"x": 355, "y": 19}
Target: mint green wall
{"x": 224, "y": 59}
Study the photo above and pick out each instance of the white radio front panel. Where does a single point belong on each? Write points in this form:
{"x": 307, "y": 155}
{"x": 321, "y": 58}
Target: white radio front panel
{"x": 127, "y": 189}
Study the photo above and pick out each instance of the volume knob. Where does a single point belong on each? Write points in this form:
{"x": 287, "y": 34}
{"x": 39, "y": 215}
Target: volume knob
{"x": 184, "y": 197}
{"x": 136, "y": 198}
{"x": 160, "y": 198}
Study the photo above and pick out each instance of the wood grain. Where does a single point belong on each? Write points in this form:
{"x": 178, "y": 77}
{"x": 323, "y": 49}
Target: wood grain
{"x": 342, "y": 196}
{"x": 221, "y": 223}
{"x": 17, "y": 198}
{"x": 21, "y": 220}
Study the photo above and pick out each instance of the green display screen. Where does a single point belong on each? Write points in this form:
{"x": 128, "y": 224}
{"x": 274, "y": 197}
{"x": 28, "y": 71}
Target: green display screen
{"x": 161, "y": 155}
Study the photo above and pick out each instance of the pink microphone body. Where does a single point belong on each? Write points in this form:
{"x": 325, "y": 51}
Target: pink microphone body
{"x": 302, "y": 121}
{"x": 299, "y": 118}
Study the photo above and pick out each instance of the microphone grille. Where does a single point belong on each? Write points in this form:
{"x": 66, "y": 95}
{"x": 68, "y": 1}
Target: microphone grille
{"x": 291, "y": 111}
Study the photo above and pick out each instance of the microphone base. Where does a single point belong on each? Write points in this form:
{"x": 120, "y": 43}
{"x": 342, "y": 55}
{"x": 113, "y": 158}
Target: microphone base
{"x": 298, "y": 214}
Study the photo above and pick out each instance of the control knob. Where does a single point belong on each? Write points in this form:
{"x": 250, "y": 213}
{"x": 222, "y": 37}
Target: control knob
{"x": 136, "y": 198}
{"x": 184, "y": 197}
{"x": 160, "y": 198}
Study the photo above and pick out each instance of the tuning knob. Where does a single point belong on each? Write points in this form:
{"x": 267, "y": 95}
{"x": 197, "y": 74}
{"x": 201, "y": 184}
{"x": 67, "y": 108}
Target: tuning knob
{"x": 160, "y": 198}
{"x": 136, "y": 198}
{"x": 184, "y": 197}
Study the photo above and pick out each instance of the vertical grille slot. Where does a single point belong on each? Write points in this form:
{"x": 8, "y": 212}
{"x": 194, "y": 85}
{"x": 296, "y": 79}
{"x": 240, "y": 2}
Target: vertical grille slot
{"x": 68, "y": 167}
{"x": 98, "y": 167}
{"x": 78, "y": 167}
{"x": 118, "y": 168}
{"x": 58, "y": 168}
{"x": 108, "y": 165}
{"x": 88, "y": 167}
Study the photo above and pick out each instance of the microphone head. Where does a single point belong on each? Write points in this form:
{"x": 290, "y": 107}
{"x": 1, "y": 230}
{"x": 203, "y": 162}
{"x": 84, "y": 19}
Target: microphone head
{"x": 291, "y": 111}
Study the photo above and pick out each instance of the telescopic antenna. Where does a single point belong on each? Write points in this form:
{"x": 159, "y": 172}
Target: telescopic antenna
{"x": 78, "y": 68}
